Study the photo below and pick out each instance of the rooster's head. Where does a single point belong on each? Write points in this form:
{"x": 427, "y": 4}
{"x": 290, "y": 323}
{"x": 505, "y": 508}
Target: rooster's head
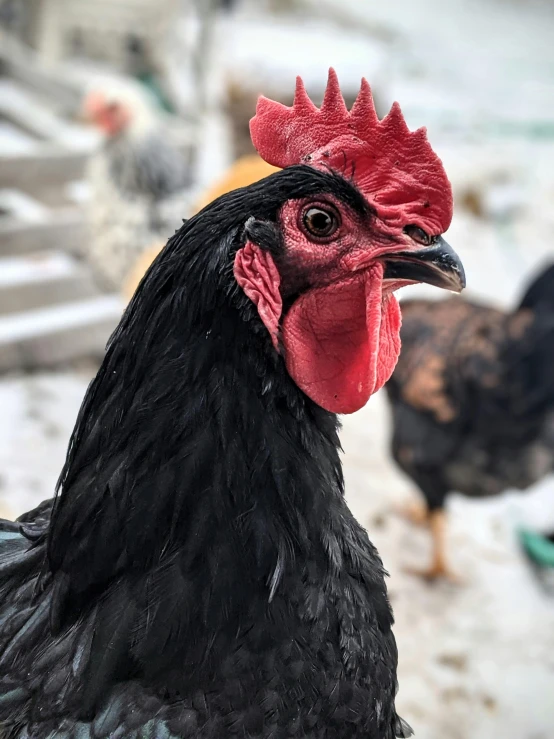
{"x": 326, "y": 295}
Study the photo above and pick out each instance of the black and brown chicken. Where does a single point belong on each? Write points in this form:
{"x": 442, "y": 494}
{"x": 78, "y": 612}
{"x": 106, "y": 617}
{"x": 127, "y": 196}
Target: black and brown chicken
{"x": 199, "y": 573}
{"x": 472, "y": 402}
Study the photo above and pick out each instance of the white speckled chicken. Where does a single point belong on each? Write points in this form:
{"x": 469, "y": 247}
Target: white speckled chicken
{"x": 139, "y": 181}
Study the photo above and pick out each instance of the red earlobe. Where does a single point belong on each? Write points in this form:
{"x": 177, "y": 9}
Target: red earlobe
{"x": 256, "y": 273}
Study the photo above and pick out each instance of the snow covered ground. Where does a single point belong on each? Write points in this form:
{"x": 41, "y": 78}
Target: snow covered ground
{"x": 475, "y": 661}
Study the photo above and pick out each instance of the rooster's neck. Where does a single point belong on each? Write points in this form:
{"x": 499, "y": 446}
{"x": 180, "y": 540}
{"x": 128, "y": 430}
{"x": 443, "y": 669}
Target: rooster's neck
{"x": 204, "y": 450}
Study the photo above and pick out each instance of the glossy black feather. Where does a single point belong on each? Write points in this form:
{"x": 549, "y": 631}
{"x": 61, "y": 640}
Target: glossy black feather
{"x": 204, "y": 576}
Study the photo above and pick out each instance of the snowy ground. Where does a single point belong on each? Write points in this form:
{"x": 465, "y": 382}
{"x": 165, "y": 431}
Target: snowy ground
{"x": 475, "y": 661}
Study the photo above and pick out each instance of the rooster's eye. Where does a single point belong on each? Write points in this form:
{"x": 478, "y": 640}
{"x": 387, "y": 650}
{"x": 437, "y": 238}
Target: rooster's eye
{"x": 419, "y": 235}
{"x": 320, "y": 222}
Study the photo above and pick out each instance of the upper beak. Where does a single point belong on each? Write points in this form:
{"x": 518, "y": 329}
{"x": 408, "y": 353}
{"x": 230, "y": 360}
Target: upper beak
{"x": 437, "y": 265}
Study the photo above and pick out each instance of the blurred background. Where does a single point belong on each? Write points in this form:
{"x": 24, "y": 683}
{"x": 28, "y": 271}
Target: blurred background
{"x": 118, "y": 118}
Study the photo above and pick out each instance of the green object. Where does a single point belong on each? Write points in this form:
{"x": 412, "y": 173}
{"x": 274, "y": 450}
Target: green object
{"x": 150, "y": 81}
{"x": 538, "y": 547}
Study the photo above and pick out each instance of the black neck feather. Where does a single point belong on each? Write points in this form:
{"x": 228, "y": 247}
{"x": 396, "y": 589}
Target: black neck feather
{"x": 193, "y": 438}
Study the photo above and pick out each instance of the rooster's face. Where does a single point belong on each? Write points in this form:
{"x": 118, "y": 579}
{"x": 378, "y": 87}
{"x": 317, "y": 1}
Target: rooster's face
{"x": 326, "y": 295}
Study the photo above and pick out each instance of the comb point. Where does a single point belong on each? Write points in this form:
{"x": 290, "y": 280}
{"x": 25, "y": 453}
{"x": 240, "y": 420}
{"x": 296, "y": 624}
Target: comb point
{"x": 265, "y": 105}
{"x": 302, "y": 102}
{"x": 364, "y": 106}
{"x": 420, "y": 134}
{"x": 333, "y": 101}
{"x": 395, "y": 120}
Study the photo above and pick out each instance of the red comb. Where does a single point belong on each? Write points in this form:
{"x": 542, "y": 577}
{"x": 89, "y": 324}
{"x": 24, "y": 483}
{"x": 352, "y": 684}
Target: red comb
{"x": 397, "y": 170}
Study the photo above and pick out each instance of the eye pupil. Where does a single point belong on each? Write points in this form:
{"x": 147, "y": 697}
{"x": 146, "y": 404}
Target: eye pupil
{"x": 320, "y": 222}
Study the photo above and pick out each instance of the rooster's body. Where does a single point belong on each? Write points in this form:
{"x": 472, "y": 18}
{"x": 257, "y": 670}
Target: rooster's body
{"x": 201, "y": 598}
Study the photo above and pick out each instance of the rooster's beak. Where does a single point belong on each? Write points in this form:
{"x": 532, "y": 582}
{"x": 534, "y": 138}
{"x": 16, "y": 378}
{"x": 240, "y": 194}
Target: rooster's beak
{"x": 437, "y": 265}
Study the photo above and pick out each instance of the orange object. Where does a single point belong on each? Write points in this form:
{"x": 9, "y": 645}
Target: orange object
{"x": 134, "y": 277}
{"x": 243, "y": 172}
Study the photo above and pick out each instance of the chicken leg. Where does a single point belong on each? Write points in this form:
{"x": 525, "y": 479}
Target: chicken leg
{"x": 439, "y": 567}
{"x": 414, "y": 511}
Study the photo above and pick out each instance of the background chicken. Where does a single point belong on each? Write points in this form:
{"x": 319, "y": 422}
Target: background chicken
{"x": 140, "y": 180}
{"x": 243, "y": 172}
{"x": 473, "y": 401}
{"x": 202, "y": 575}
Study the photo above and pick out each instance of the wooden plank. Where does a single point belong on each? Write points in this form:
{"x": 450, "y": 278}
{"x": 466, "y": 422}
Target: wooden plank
{"x": 20, "y": 206}
{"x": 53, "y": 81}
{"x": 58, "y": 334}
{"x": 65, "y": 229}
{"x": 53, "y": 166}
{"x": 42, "y": 279}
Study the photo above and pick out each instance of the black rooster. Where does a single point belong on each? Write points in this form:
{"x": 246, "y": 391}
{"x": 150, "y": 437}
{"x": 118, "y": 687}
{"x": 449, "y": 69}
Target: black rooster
{"x": 201, "y": 574}
{"x": 473, "y": 401}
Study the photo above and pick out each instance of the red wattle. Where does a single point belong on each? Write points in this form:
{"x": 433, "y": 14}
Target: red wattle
{"x": 342, "y": 341}
{"x": 256, "y": 273}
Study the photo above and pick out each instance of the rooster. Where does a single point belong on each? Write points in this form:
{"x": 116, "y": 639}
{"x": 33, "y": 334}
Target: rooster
{"x": 473, "y": 402}
{"x": 140, "y": 181}
{"x": 200, "y": 574}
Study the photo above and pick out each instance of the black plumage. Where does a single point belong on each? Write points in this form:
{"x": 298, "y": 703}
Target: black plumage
{"x": 201, "y": 575}
{"x": 472, "y": 398}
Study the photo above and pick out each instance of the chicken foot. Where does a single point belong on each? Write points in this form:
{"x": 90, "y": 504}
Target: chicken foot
{"x": 439, "y": 568}
{"x": 414, "y": 511}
